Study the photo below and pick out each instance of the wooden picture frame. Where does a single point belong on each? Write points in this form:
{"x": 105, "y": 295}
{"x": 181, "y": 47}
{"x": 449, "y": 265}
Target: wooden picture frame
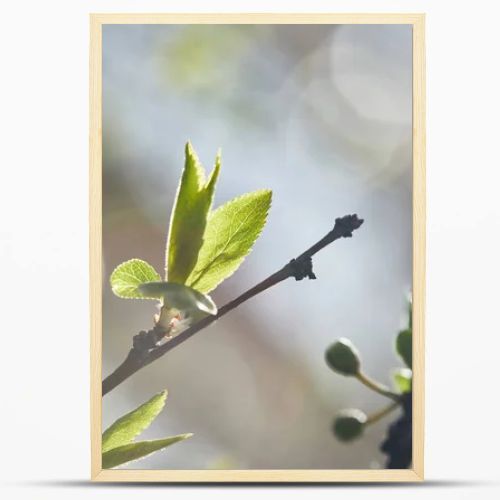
{"x": 417, "y": 472}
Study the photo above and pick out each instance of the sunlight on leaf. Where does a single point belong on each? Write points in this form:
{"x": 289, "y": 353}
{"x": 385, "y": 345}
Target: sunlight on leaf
{"x": 133, "y": 451}
{"x": 129, "y": 275}
{"x": 403, "y": 380}
{"x": 179, "y": 296}
{"x": 231, "y": 231}
{"x": 126, "y": 428}
{"x": 189, "y": 217}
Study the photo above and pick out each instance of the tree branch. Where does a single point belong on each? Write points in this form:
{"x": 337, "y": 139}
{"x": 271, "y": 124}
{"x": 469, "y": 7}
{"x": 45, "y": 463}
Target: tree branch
{"x": 145, "y": 350}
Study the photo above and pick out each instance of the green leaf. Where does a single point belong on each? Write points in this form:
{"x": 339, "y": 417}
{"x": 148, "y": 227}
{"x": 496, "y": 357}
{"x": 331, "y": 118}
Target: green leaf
{"x": 404, "y": 346}
{"x": 133, "y": 451}
{"x": 126, "y": 278}
{"x": 126, "y": 428}
{"x": 403, "y": 379}
{"x": 410, "y": 315}
{"x": 178, "y": 296}
{"x": 231, "y": 231}
{"x": 189, "y": 217}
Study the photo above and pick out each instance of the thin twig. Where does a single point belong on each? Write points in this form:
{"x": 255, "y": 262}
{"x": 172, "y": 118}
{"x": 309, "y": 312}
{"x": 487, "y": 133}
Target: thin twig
{"x": 377, "y": 387}
{"x": 379, "y": 415}
{"x": 145, "y": 351}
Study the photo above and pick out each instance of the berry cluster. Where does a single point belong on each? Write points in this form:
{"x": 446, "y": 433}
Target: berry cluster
{"x": 343, "y": 358}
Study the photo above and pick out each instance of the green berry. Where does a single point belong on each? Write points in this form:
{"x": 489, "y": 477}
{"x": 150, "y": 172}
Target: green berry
{"x": 342, "y": 357}
{"x": 349, "y": 424}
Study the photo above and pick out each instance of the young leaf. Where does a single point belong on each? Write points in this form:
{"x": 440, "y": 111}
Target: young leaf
{"x": 404, "y": 347}
{"x": 403, "y": 380}
{"x": 126, "y": 428}
{"x": 231, "y": 231}
{"x": 189, "y": 217}
{"x": 129, "y": 275}
{"x": 178, "y": 296}
{"x": 133, "y": 451}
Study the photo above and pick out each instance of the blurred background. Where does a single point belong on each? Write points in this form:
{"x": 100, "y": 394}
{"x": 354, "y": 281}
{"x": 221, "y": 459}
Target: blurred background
{"x": 320, "y": 114}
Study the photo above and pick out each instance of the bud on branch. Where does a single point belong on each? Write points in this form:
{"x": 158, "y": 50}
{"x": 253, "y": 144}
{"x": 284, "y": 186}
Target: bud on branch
{"x": 145, "y": 350}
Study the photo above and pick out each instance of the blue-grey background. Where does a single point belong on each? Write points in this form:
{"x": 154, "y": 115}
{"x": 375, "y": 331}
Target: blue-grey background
{"x": 322, "y": 116}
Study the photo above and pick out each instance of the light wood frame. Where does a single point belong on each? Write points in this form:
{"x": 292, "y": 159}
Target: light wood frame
{"x": 409, "y": 475}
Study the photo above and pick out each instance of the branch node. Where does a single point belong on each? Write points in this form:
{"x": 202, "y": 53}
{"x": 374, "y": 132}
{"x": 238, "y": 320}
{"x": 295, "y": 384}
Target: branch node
{"x": 344, "y": 226}
{"x": 302, "y": 268}
{"x": 144, "y": 341}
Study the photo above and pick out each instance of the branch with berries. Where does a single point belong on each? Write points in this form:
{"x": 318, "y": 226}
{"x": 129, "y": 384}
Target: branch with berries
{"x": 349, "y": 424}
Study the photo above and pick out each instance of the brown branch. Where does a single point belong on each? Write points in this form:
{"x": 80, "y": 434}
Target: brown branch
{"x": 145, "y": 350}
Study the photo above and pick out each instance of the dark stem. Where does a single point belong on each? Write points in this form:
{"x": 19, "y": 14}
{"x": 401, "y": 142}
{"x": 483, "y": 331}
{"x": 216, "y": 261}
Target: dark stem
{"x": 145, "y": 350}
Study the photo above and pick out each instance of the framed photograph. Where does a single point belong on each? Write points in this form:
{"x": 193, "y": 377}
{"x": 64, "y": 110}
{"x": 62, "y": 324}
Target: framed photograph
{"x": 257, "y": 247}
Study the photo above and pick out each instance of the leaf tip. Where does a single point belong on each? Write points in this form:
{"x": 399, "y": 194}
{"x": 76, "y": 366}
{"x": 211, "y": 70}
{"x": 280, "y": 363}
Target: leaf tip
{"x": 266, "y": 194}
{"x": 214, "y": 175}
